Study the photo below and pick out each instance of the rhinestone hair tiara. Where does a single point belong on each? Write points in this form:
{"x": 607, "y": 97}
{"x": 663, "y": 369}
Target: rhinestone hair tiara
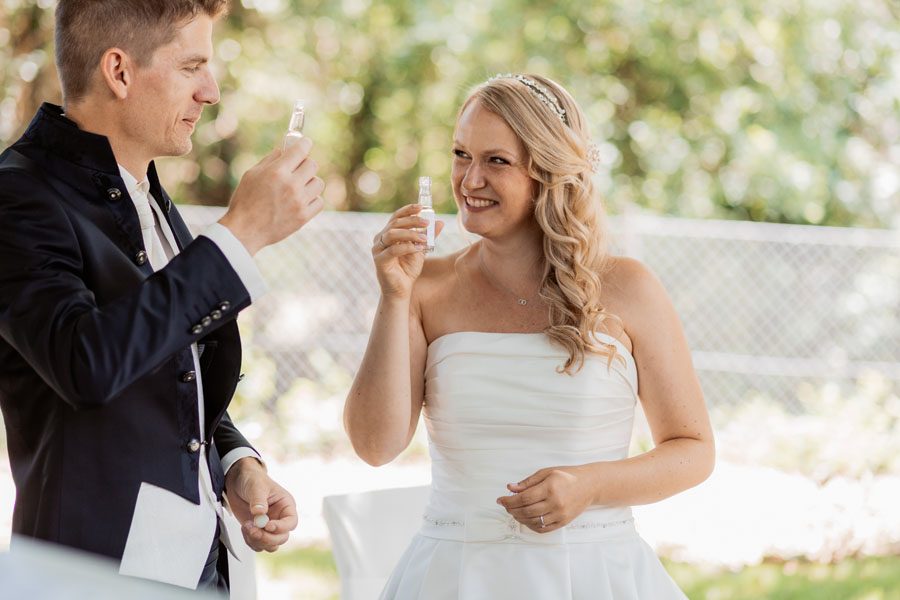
{"x": 539, "y": 92}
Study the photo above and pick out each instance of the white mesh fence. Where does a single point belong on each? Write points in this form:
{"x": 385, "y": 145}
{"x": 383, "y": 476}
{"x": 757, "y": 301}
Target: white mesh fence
{"x": 767, "y": 308}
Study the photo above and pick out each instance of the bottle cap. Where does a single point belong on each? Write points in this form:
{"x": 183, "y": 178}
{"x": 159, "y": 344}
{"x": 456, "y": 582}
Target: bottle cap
{"x": 425, "y": 191}
{"x": 298, "y": 114}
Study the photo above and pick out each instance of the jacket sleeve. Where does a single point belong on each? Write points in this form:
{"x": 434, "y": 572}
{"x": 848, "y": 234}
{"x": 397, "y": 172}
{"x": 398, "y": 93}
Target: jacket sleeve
{"x": 228, "y": 438}
{"x": 88, "y": 353}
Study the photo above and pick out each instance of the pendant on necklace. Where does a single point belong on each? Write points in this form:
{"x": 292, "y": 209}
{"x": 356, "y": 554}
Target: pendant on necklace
{"x": 484, "y": 269}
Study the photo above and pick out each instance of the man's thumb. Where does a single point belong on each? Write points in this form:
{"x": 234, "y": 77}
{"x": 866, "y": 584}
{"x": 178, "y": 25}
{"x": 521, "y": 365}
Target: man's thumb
{"x": 259, "y": 506}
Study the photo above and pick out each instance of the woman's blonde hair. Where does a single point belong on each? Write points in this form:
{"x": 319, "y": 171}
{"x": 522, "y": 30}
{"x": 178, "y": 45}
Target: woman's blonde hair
{"x": 567, "y": 206}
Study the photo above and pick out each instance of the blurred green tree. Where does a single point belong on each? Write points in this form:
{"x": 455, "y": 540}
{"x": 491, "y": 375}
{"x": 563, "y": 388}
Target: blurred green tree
{"x": 781, "y": 110}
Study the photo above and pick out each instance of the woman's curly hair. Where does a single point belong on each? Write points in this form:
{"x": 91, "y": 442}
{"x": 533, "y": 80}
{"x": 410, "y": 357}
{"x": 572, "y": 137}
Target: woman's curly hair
{"x": 567, "y": 207}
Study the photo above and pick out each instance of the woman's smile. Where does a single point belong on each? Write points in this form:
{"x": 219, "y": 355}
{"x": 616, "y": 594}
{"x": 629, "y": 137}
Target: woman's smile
{"x": 475, "y": 203}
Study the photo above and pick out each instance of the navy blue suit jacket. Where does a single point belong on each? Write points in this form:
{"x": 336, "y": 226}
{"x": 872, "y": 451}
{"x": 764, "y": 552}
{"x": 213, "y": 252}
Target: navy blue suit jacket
{"x": 95, "y": 362}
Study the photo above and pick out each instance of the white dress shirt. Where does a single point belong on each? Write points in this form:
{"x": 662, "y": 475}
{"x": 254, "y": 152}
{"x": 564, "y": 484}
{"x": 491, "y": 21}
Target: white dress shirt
{"x": 150, "y": 551}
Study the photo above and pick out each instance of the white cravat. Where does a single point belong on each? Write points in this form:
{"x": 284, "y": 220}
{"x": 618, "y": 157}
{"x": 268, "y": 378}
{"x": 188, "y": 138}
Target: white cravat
{"x": 157, "y": 254}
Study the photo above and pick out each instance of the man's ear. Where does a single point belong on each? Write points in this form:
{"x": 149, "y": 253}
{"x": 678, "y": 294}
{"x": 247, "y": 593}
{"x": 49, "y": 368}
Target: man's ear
{"x": 117, "y": 70}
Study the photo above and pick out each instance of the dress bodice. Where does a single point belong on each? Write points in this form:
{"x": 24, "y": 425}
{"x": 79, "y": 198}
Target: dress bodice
{"x": 497, "y": 410}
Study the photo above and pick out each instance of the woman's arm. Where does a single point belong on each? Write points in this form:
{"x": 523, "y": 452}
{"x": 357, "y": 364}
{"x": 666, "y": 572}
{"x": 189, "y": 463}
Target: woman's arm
{"x": 670, "y": 395}
{"x": 673, "y": 403}
{"x": 385, "y": 400}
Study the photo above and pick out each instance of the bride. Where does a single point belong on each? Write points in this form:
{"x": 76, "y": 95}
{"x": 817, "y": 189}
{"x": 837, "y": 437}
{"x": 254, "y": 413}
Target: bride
{"x": 527, "y": 352}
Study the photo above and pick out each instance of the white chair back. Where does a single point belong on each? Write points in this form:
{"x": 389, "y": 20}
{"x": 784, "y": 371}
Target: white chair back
{"x": 369, "y": 532}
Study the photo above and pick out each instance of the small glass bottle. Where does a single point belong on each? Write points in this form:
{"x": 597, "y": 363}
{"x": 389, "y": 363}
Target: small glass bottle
{"x": 295, "y": 127}
{"x": 427, "y": 211}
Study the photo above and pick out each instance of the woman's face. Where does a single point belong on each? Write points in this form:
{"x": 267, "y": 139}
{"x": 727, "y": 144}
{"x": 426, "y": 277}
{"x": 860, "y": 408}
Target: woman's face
{"x": 491, "y": 185}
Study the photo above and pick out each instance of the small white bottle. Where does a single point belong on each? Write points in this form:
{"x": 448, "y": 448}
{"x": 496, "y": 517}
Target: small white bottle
{"x": 427, "y": 211}
{"x": 295, "y": 127}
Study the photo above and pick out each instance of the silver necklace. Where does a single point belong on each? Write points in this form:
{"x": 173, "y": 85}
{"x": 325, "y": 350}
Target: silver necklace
{"x": 521, "y": 301}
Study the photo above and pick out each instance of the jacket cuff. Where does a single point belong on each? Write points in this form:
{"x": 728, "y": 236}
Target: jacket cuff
{"x": 239, "y": 258}
{"x": 237, "y": 454}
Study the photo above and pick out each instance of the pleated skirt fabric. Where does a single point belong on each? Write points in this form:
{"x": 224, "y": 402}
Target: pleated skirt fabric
{"x": 623, "y": 568}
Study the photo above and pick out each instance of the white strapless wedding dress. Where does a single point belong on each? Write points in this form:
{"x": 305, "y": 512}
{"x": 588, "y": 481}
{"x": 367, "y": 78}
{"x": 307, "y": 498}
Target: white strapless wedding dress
{"x": 497, "y": 411}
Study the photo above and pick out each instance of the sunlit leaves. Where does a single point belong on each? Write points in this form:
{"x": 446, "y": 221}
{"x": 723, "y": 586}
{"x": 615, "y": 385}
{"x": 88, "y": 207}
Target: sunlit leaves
{"x": 777, "y": 110}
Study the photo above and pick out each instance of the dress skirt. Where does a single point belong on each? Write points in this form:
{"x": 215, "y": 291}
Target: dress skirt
{"x": 622, "y": 566}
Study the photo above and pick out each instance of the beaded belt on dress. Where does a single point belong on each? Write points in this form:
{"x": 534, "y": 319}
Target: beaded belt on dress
{"x": 486, "y": 526}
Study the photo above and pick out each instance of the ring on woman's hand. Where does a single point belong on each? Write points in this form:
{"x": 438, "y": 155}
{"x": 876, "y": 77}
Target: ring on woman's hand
{"x": 542, "y": 522}
{"x": 381, "y": 241}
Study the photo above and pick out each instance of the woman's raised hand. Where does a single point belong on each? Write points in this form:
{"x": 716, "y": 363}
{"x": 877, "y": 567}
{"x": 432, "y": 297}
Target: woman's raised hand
{"x": 398, "y": 250}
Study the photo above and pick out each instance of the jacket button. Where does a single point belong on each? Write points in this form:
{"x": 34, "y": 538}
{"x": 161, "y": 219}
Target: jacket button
{"x": 188, "y": 376}
{"x": 114, "y": 194}
{"x": 216, "y": 314}
{"x": 224, "y": 305}
{"x": 140, "y": 258}
{"x": 197, "y": 329}
{"x": 205, "y": 321}
{"x": 193, "y": 445}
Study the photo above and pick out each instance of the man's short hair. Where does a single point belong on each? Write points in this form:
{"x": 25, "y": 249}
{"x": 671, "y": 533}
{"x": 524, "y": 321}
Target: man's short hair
{"x": 85, "y": 29}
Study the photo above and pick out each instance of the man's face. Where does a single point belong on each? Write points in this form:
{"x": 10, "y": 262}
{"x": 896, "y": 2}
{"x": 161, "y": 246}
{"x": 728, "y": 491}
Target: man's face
{"x": 169, "y": 93}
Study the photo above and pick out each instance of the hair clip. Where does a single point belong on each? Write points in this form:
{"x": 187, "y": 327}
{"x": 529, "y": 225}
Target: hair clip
{"x": 593, "y": 157}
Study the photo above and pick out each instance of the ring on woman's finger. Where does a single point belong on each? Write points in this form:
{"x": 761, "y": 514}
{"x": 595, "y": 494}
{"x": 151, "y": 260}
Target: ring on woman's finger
{"x": 381, "y": 241}
{"x": 542, "y": 522}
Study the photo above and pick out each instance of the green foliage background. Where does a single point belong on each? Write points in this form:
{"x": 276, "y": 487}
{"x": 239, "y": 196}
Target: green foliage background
{"x": 778, "y": 110}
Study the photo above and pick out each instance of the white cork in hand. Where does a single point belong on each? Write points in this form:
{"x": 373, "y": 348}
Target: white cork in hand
{"x": 261, "y": 520}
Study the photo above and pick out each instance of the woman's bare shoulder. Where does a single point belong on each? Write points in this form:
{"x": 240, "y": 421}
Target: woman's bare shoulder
{"x": 438, "y": 273}
{"x": 439, "y": 268}
{"x": 631, "y": 288}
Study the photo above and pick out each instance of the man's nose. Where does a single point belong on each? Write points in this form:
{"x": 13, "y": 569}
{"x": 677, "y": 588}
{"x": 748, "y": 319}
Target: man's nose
{"x": 208, "y": 92}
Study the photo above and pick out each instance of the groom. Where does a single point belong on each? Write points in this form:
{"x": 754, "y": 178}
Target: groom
{"x": 119, "y": 351}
